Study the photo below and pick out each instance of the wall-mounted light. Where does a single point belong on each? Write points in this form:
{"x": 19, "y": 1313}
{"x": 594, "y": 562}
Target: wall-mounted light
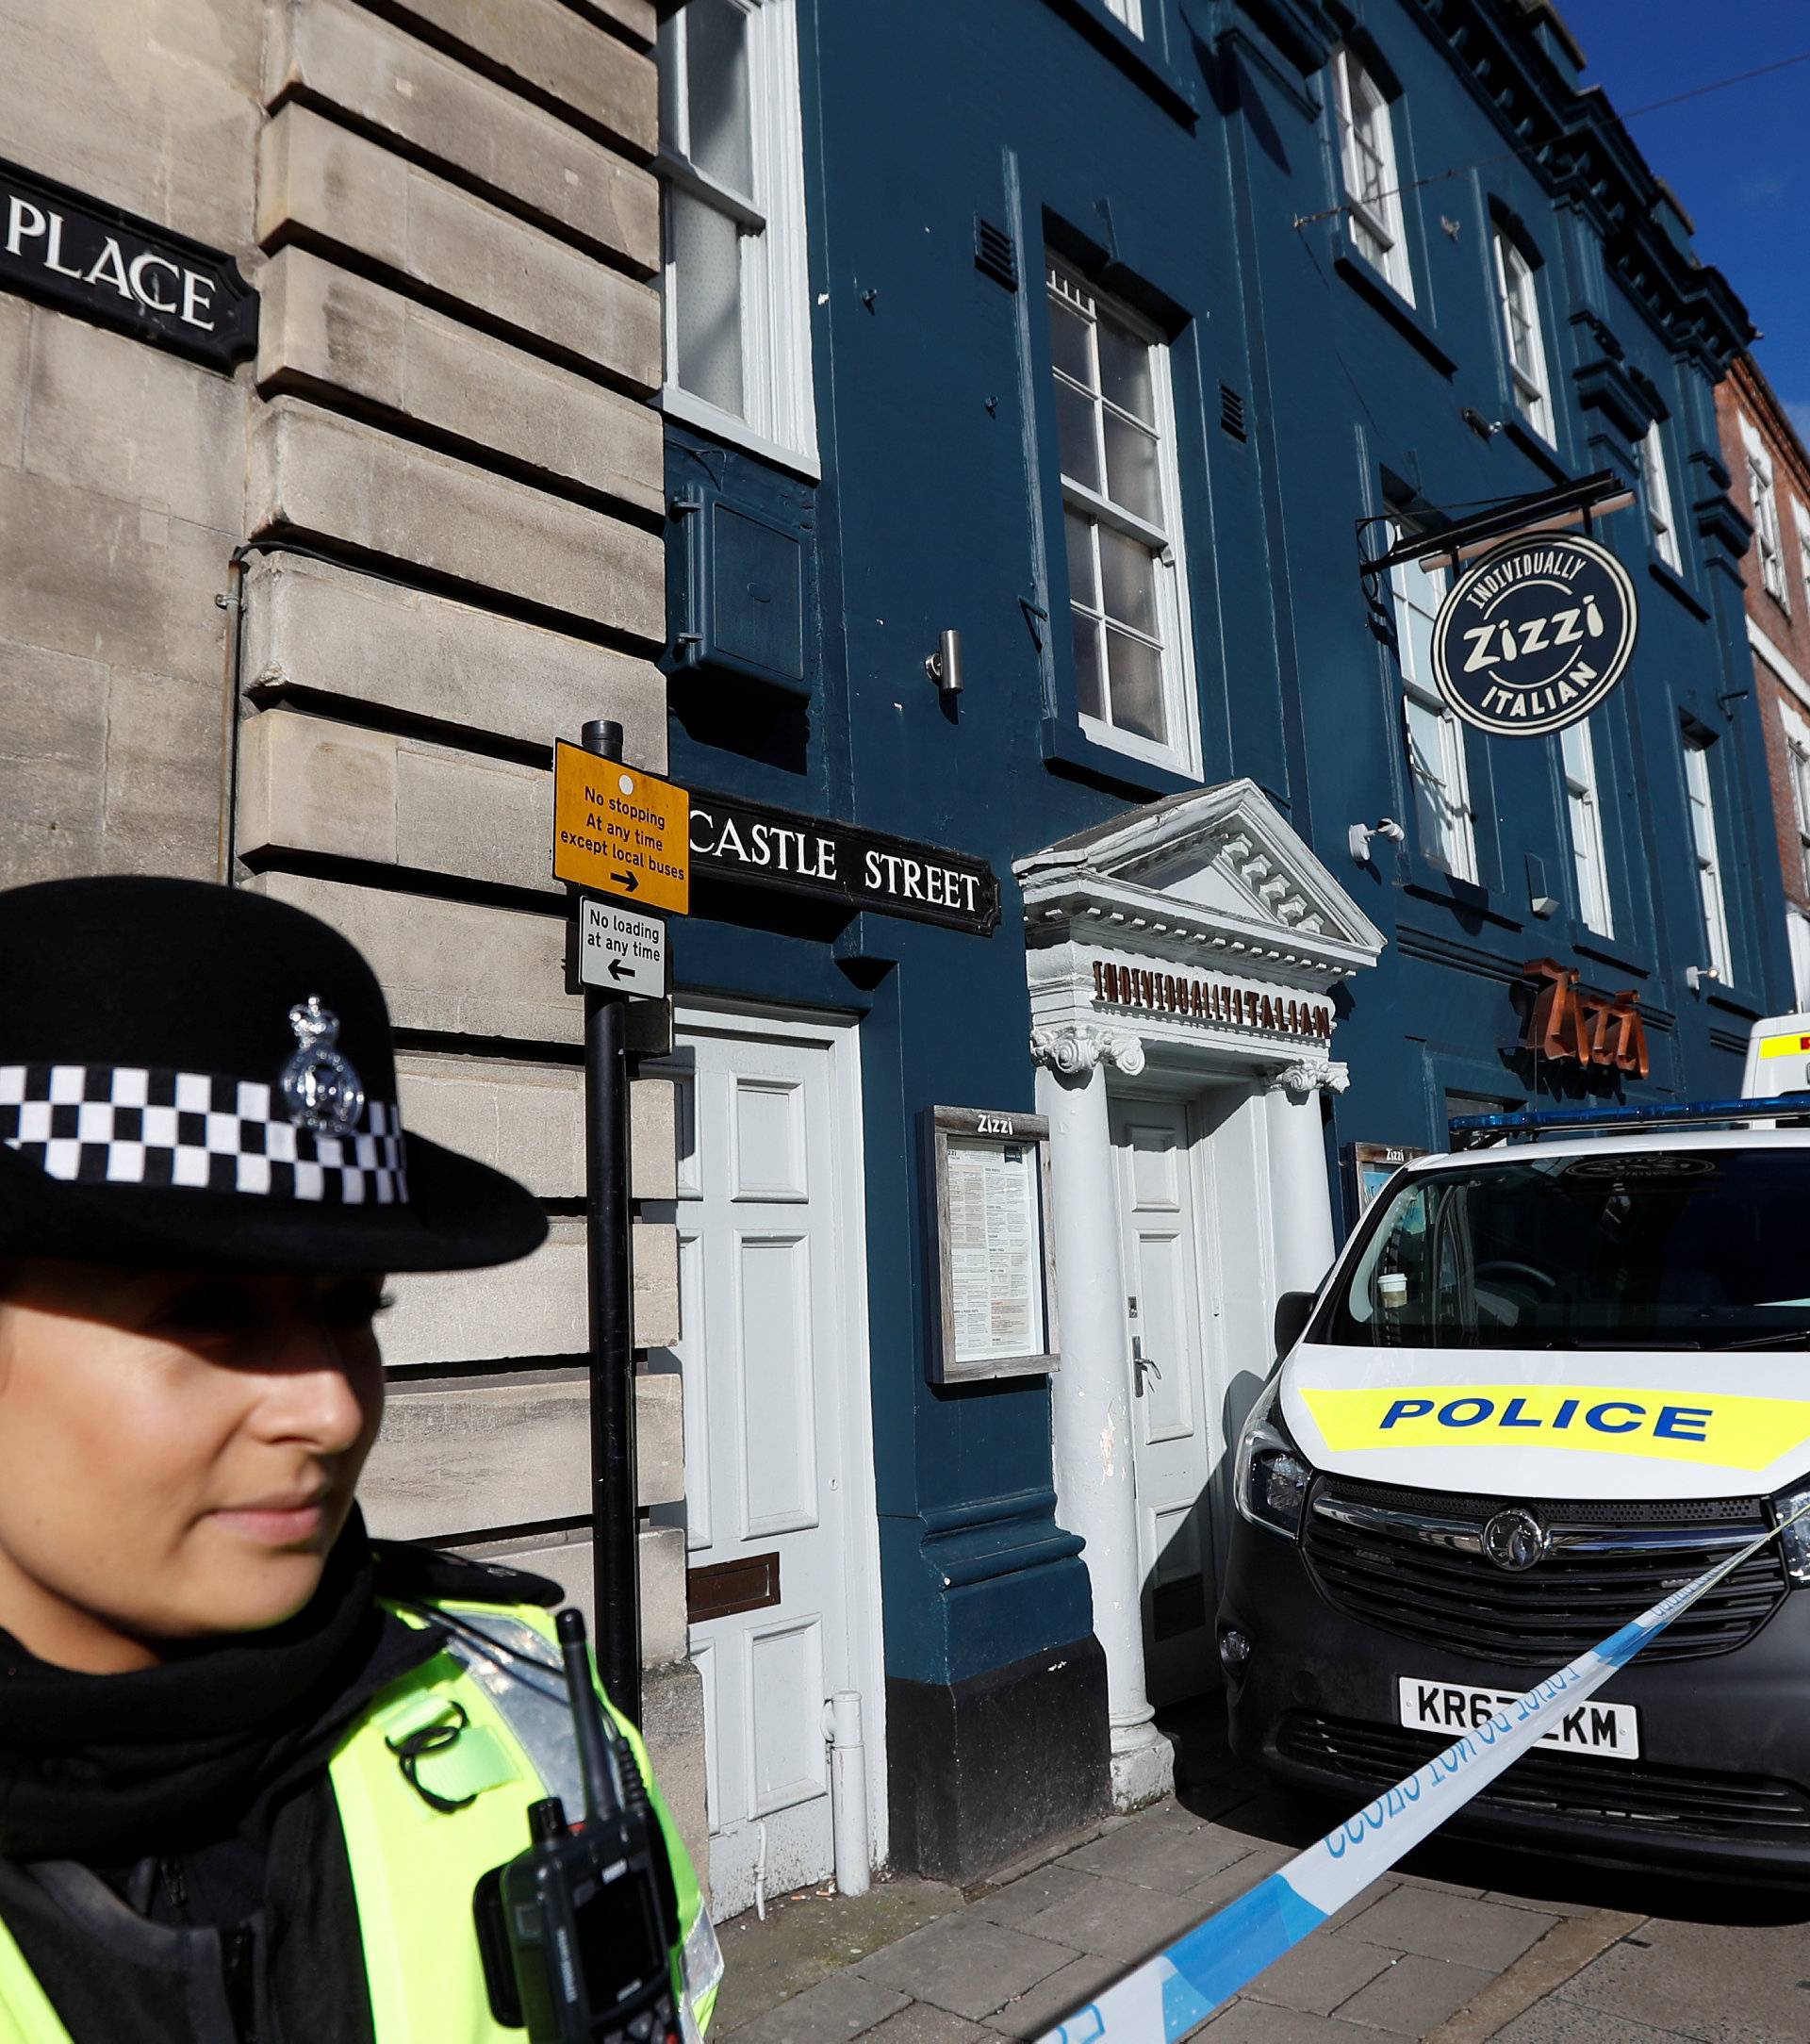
{"x": 1696, "y": 974}
{"x": 944, "y": 666}
{"x": 1359, "y": 835}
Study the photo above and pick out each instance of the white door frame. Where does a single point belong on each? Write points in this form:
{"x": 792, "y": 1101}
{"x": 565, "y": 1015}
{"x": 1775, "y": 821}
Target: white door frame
{"x": 840, "y": 1035}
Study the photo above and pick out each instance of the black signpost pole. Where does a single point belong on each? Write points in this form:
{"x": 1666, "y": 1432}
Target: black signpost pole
{"x": 612, "y": 1324}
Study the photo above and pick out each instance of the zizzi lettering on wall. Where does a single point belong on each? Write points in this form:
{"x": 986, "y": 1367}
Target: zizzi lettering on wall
{"x": 1210, "y": 1001}
{"x": 84, "y": 256}
{"x": 1602, "y": 1032}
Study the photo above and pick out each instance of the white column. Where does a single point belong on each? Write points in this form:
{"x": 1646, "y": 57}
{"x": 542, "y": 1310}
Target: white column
{"x": 1301, "y": 1195}
{"x": 1090, "y": 1392}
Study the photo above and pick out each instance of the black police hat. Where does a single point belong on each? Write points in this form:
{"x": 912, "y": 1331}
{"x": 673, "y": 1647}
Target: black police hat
{"x": 195, "y": 1075}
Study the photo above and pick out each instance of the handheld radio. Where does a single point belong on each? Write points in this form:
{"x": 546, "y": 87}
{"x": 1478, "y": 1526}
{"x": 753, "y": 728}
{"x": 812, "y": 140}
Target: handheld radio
{"x": 576, "y": 1932}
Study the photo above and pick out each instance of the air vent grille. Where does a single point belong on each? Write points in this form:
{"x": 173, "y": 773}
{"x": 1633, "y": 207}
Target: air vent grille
{"x": 1232, "y": 412}
{"x": 993, "y": 255}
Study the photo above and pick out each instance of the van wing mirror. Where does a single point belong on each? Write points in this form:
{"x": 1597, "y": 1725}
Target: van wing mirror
{"x": 1294, "y": 1309}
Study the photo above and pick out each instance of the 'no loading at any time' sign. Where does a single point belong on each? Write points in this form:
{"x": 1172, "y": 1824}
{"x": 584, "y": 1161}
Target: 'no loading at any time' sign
{"x": 617, "y": 831}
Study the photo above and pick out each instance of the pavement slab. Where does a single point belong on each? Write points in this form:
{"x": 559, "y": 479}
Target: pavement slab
{"x": 1025, "y": 1897}
{"x": 922, "y": 2024}
{"x": 1436, "y": 1924}
{"x": 1115, "y": 1918}
{"x": 1414, "y": 1995}
{"x": 808, "y": 1936}
{"x": 1566, "y": 2022}
{"x": 1320, "y": 1972}
{"x": 1261, "y": 2022}
{"x": 1051, "y": 1999}
{"x": 1169, "y": 1851}
{"x": 829, "y": 2013}
{"x": 1719, "y": 1983}
{"x": 967, "y": 1966}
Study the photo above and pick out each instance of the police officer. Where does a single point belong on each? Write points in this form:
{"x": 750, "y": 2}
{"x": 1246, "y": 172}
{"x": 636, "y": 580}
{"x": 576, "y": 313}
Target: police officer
{"x": 253, "y": 1764}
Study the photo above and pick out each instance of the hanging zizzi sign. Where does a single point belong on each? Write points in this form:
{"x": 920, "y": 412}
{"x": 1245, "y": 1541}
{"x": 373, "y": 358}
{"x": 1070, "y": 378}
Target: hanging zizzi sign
{"x": 1534, "y": 636}
{"x": 82, "y": 255}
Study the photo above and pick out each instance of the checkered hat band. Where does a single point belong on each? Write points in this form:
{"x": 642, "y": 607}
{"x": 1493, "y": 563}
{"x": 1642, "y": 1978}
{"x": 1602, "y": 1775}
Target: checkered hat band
{"x": 126, "y": 1125}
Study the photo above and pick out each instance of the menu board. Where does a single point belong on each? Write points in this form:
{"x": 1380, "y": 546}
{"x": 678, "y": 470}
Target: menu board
{"x": 996, "y": 1250}
{"x": 990, "y": 1173}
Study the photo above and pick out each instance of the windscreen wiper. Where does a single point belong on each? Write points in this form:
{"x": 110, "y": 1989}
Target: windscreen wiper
{"x": 1784, "y": 1338}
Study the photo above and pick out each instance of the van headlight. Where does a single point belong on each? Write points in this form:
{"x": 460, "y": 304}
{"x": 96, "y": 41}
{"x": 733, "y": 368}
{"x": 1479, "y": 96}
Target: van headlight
{"x": 1273, "y": 1476}
{"x": 1794, "y": 1542}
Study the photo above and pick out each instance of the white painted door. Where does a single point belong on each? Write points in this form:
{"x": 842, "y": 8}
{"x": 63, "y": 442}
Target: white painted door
{"x": 1173, "y": 1423}
{"x": 772, "y": 1313}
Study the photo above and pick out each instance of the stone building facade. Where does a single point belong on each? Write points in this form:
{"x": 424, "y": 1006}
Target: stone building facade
{"x": 310, "y": 625}
{"x": 1771, "y": 485}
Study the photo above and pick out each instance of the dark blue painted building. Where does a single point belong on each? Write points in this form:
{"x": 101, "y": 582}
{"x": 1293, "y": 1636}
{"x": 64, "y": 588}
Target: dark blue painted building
{"x": 1117, "y": 336}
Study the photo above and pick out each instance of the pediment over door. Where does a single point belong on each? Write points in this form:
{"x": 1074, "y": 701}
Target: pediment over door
{"x": 1215, "y": 876}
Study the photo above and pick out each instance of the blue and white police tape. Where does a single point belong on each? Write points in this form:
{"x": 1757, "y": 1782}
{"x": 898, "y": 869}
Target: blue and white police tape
{"x": 1178, "y": 1987}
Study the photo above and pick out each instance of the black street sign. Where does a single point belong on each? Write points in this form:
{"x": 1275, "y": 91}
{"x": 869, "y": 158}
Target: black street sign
{"x": 787, "y": 852}
{"x": 86, "y": 256}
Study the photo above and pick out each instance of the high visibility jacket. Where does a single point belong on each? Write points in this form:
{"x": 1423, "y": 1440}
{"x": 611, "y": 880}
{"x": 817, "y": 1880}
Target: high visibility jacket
{"x": 415, "y": 1866}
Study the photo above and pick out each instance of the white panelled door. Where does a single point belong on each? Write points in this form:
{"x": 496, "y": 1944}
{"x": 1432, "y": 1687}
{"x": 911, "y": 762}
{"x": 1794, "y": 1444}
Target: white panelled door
{"x": 772, "y": 1311}
{"x": 1173, "y": 1427}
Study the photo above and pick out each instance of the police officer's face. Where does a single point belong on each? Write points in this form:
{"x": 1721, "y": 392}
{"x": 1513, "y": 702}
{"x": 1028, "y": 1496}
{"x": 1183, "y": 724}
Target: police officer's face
{"x": 177, "y": 1453}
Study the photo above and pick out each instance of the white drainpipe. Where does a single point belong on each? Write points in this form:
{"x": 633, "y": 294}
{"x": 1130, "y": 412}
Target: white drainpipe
{"x": 847, "y": 1791}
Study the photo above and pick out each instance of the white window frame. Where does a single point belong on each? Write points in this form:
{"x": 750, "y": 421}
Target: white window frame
{"x": 1796, "y": 758}
{"x": 1763, "y": 489}
{"x": 1448, "y": 778}
{"x": 1366, "y": 121}
{"x": 1182, "y": 709}
{"x": 1800, "y": 521}
{"x": 1528, "y": 381}
{"x": 775, "y": 297}
{"x": 1701, "y": 801}
{"x": 1656, "y": 488}
{"x": 1130, "y": 13}
{"x": 1797, "y": 931}
{"x": 1584, "y": 816}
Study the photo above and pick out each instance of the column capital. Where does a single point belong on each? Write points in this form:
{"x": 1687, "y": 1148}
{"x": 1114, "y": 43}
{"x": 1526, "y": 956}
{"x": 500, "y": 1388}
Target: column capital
{"x": 1077, "y": 1048}
{"x": 1307, "y": 1076}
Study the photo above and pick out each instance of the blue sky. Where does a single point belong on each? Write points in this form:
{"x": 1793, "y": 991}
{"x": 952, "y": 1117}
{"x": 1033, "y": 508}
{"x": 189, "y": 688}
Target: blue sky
{"x": 1739, "y": 159}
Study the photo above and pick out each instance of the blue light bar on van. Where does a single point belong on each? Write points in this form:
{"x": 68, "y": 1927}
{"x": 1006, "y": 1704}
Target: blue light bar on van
{"x": 1469, "y": 1131}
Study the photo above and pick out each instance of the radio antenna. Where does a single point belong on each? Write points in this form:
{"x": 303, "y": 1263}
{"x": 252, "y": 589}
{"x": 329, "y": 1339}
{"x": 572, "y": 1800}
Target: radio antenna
{"x": 596, "y": 1765}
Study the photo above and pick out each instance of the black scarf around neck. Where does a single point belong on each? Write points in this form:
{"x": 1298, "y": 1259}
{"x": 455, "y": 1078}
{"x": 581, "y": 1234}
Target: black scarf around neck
{"x": 110, "y": 1767}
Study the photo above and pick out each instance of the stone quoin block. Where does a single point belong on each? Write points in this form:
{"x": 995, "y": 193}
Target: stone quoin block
{"x": 559, "y": 53}
{"x": 164, "y": 118}
{"x": 454, "y": 1458}
{"x": 344, "y": 188}
{"x": 108, "y": 414}
{"x": 451, "y": 966}
{"x": 338, "y": 55}
{"x": 663, "y": 1594}
{"x": 672, "y": 1722}
{"x": 333, "y": 631}
{"x": 525, "y": 1119}
{"x": 314, "y": 472}
{"x": 535, "y": 1308}
{"x": 324, "y": 181}
{"x": 653, "y": 1139}
{"x": 335, "y": 330}
{"x": 308, "y": 783}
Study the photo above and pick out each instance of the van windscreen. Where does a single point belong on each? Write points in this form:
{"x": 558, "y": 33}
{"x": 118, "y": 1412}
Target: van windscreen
{"x": 1641, "y": 1249}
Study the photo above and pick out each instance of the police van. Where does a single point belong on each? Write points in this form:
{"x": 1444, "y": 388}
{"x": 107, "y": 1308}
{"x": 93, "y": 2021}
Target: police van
{"x": 1555, "y": 1374}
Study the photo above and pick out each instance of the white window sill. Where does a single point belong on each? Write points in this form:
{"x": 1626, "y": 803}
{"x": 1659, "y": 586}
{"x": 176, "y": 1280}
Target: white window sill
{"x": 1153, "y": 755}
{"x": 721, "y": 426}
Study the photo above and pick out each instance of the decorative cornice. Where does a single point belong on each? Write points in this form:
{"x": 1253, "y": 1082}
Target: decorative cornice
{"x": 1076, "y": 1048}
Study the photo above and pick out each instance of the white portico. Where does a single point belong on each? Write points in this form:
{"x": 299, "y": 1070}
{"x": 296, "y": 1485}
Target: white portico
{"x": 1182, "y": 963}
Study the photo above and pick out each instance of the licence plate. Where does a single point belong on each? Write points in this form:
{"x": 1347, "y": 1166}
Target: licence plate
{"x": 1612, "y": 1731}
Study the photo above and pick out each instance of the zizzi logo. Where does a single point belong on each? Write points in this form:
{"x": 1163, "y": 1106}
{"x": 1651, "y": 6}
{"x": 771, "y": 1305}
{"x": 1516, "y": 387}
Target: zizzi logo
{"x": 992, "y": 1125}
{"x": 1535, "y": 636}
